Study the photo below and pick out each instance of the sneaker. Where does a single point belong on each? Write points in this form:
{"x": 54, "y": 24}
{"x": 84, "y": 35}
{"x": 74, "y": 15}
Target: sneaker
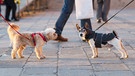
{"x": 60, "y": 38}
{"x": 98, "y": 20}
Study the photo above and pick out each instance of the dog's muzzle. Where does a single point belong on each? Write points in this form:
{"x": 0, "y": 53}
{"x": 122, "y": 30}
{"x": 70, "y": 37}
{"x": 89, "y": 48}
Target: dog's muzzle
{"x": 81, "y": 35}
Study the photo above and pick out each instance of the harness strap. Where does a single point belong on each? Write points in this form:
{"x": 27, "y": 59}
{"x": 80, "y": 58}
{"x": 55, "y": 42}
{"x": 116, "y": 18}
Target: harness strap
{"x": 33, "y": 34}
{"x": 41, "y": 35}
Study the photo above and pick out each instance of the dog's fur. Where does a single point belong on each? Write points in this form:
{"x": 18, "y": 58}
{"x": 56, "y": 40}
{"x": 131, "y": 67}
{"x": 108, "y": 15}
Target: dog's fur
{"x": 19, "y": 42}
{"x": 116, "y": 42}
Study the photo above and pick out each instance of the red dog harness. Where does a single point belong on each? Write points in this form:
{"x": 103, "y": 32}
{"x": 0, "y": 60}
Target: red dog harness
{"x": 41, "y": 35}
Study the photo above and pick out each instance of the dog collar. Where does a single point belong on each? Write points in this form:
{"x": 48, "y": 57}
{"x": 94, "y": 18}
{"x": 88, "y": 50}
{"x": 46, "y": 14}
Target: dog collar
{"x": 41, "y": 35}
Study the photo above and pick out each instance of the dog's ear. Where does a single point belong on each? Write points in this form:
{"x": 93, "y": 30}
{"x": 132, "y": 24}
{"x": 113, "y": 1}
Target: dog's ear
{"x": 77, "y": 26}
{"x": 86, "y": 25}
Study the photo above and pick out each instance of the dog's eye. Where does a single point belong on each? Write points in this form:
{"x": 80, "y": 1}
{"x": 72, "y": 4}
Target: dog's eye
{"x": 55, "y": 34}
{"x": 79, "y": 30}
{"x": 82, "y": 30}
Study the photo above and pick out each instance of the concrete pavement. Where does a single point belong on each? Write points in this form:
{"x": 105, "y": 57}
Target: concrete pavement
{"x": 72, "y": 58}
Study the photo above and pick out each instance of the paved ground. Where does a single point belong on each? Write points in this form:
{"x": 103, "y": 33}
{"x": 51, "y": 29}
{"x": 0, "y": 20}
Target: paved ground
{"x": 72, "y": 58}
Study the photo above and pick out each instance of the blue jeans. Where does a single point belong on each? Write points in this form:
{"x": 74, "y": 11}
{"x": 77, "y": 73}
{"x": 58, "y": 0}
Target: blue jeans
{"x": 65, "y": 14}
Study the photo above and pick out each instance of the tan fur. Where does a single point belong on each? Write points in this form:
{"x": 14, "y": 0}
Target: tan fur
{"x": 20, "y": 42}
{"x": 13, "y": 33}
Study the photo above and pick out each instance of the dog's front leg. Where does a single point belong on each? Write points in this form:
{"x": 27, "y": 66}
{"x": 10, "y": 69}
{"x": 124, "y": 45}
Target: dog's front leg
{"x": 41, "y": 52}
{"x": 94, "y": 50}
{"x": 37, "y": 51}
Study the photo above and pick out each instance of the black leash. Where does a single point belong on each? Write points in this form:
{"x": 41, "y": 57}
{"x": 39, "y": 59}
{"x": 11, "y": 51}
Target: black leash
{"x": 114, "y": 15}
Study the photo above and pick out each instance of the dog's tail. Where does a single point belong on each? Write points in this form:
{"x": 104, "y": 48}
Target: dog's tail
{"x": 116, "y": 34}
{"x": 13, "y": 28}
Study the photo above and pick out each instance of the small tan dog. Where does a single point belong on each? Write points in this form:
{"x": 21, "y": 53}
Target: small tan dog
{"x": 36, "y": 40}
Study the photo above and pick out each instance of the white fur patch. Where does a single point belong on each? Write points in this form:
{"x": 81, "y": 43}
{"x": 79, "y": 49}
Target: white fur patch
{"x": 50, "y": 30}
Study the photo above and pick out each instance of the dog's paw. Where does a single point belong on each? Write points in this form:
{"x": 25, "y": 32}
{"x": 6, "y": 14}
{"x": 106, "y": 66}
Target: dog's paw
{"x": 39, "y": 58}
{"x": 21, "y": 57}
{"x": 13, "y": 57}
{"x": 122, "y": 57}
{"x": 94, "y": 56}
{"x": 126, "y": 56}
{"x": 43, "y": 57}
{"x": 109, "y": 49}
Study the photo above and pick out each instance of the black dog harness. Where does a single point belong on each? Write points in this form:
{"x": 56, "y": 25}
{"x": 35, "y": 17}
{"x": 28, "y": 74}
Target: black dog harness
{"x": 41, "y": 35}
{"x": 101, "y": 38}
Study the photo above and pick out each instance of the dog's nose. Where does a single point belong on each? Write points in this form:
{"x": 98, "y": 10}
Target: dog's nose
{"x": 81, "y": 35}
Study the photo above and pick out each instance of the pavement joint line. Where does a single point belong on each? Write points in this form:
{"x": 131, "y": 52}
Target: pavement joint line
{"x": 58, "y": 51}
{"x": 122, "y": 60}
{"x": 25, "y": 63}
{"x": 89, "y": 60}
{"x": 47, "y": 23}
{"x": 4, "y": 53}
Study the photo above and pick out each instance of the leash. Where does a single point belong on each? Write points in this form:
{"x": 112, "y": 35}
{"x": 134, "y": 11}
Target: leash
{"x": 114, "y": 15}
{"x": 12, "y": 27}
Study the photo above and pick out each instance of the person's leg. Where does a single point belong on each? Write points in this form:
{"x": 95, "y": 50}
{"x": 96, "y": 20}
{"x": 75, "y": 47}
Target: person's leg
{"x": 14, "y": 12}
{"x": 99, "y": 10}
{"x": 65, "y": 13}
{"x": 106, "y": 9}
{"x": 0, "y": 8}
{"x": 8, "y": 9}
{"x": 84, "y": 21}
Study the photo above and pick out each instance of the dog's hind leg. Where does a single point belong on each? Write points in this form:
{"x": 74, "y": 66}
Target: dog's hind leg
{"x": 20, "y": 51}
{"x": 123, "y": 49}
{"x": 117, "y": 44}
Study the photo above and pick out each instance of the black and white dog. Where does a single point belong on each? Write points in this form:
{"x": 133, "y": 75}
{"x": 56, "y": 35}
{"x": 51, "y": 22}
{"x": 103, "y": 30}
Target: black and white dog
{"x": 96, "y": 39}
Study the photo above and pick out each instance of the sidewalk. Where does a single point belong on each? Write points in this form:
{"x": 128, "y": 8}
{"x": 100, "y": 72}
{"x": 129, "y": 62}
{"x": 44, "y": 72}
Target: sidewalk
{"x": 72, "y": 58}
